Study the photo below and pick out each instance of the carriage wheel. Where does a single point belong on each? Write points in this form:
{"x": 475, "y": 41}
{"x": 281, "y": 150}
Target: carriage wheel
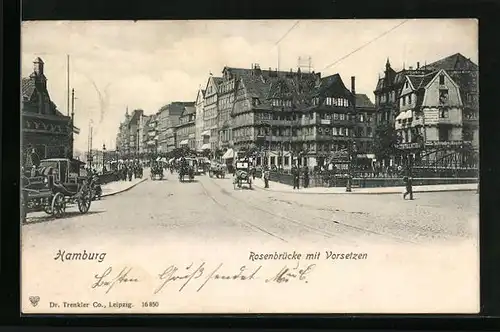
{"x": 58, "y": 205}
{"x": 84, "y": 201}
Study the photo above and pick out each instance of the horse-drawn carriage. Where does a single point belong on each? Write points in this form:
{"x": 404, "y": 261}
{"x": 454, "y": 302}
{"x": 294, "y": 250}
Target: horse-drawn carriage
{"x": 218, "y": 170}
{"x": 157, "y": 171}
{"x": 242, "y": 174}
{"x": 188, "y": 166}
{"x": 56, "y": 184}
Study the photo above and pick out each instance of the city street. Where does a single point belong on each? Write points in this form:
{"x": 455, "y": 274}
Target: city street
{"x": 210, "y": 210}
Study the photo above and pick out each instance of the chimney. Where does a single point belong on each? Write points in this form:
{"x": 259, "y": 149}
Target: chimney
{"x": 418, "y": 65}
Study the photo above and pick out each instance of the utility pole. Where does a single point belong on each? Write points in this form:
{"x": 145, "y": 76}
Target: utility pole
{"x": 67, "y": 86}
{"x": 72, "y": 122}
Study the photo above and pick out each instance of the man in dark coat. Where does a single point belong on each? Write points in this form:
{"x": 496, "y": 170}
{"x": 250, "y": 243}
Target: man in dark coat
{"x": 296, "y": 176}
{"x": 306, "y": 177}
{"x": 409, "y": 190}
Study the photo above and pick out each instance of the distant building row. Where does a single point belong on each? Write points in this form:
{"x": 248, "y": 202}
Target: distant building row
{"x": 303, "y": 117}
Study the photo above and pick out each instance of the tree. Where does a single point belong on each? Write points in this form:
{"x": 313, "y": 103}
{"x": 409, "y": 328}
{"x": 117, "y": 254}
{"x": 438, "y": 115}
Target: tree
{"x": 384, "y": 142}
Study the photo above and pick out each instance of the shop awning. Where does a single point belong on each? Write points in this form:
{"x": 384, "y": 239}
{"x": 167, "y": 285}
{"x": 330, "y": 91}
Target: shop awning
{"x": 229, "y": 154}
{"x": 184, "y": 142}
{"x": 205, "y": 133}
{"x": 205, "y": 146}
{"x": 405, "y": 115}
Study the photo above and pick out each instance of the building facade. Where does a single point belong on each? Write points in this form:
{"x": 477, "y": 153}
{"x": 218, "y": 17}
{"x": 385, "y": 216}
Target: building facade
{"x": 199, "y": 125}
{"x": 292, "y": 117}
{"x": 210, "y": 112}
{"x": 186, "y": 129}
{"x": 44, "y": 128}
{"x": 143, "y": 133}
{"x": 226, "y": 98}
{"x": 151, "y": 138}
{"x": 435, "y": 113}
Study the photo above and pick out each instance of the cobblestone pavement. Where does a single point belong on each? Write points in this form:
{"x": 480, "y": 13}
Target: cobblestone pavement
{"x": 210, "y": 210}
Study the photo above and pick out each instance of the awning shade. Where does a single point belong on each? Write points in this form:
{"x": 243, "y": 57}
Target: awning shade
{"x": 205, "y": 146}
{"x": 205, "y": 133}
{"x": 184, "y": 142}
{"x": 229, "y": 154}
{"x": 405, "y": 115}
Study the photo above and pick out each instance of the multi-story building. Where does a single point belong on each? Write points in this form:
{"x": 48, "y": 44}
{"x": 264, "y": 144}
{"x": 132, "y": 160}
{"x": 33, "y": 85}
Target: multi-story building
{"x": 151, "y": 134}
{"x": 133, "y": 131}
{"x": 199, "y": 125}
{"x": 435, "y": 112}
{"x": 175, "y": 110}
{"x": 292, "y": 116}
{"x": 226, "y": 97}
{"x": 162, "y": 124}
{"x": 364, "y": 129}
{"x": 465, "y": 73}
{"x": 44, "y": 128}
{"x": 210, "y": 112}
{"x": 142, "y": 132}
{"x": 186, "y": 129}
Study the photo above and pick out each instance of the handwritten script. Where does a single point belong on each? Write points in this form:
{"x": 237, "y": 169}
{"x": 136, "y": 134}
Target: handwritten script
{"x": 201, "y": 275}
{"x": 107, "y": 281}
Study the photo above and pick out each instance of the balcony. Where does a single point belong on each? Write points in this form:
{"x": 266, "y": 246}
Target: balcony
{"x": 283, "y": 123}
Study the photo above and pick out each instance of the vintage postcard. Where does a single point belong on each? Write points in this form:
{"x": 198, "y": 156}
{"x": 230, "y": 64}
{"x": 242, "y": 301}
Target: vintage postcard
{"x": 279, "y": 166}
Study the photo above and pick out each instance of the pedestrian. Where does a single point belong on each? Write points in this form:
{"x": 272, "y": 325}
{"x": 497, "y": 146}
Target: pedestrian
{"x": 306, "y": 177}
{"x": 266, "y": 177}
{"x": 296, "y": 176}
{"x": 409, "y": 190}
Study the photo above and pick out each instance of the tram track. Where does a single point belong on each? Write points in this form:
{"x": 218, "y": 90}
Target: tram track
{"x": 337, "y": 223}
{"x": 241, "y": 221}
{"x": 296, "y": 222}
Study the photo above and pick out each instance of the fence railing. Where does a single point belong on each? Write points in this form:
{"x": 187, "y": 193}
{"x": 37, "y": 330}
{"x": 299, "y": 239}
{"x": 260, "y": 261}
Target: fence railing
{"x": 364, "y": 180}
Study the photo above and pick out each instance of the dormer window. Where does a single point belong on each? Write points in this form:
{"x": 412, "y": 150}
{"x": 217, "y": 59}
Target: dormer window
{"x": 406, "y": 85}
{"x": 441, "y": 79}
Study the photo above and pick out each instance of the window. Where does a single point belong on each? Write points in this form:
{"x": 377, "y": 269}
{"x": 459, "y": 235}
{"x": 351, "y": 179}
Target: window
{"x": 406, "y": 85}
{"x": 443, "y": 114}
{"x": 443, "y": 96}
{"x": 361, "y": 118}
{"x": 443, "y": 133}
{"x": 409, "y": 99}
{"x": 403, "y": 100}
{"x": 441, "y": 79}
{"x": 369, "y": 131}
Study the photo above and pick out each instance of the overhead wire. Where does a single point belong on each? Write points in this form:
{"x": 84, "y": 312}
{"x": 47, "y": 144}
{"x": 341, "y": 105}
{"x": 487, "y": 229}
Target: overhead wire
{"x": 366, "y": 44}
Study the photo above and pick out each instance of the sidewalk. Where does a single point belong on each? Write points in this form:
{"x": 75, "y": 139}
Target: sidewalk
{"x": 117, "y": 187}
{"x": 283, "y": 188}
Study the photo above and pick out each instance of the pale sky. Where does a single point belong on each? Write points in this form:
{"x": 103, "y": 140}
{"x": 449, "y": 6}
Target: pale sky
{"x": 148, "y": 64}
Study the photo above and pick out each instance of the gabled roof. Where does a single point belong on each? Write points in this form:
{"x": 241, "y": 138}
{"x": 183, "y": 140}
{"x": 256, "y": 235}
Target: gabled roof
{"x": 217, "y": 80}
{"x": 362, "y": 100}
{"x": 453, "y": 62}
{"x": 27, "y": 86}
{"x": 333, "y": 86}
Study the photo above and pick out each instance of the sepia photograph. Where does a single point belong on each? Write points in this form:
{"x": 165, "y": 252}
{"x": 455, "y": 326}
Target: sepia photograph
{"x": 250, "y": 166}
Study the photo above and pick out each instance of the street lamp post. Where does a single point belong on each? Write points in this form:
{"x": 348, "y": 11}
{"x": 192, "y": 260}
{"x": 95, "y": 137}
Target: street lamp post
{"x": 350, "y": 146}
{"x": 103, "y": 157}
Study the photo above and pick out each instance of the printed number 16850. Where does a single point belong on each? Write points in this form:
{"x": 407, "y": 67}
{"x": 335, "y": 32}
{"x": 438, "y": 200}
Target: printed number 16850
{"x": 150, "y": 304}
